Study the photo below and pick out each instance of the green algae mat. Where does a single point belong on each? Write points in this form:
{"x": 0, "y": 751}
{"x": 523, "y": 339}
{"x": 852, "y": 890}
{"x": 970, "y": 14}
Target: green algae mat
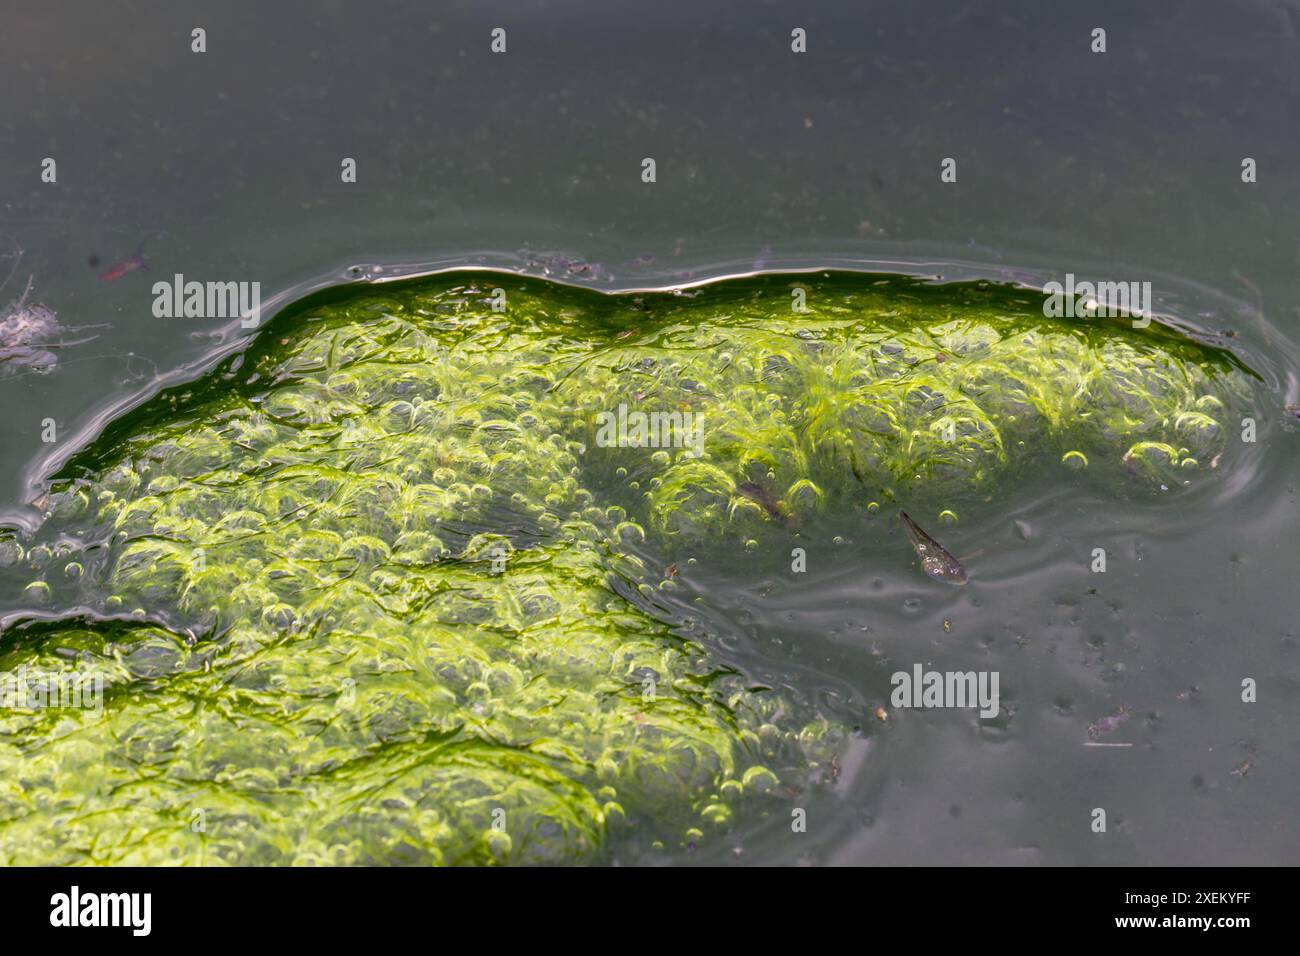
{"x": 402, "y": 582}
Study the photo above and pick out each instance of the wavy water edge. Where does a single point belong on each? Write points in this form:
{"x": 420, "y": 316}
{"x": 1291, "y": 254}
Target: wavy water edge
{"x": 1264, "y": 349}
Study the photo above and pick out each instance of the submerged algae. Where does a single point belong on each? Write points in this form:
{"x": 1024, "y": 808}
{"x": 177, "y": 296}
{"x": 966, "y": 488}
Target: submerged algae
{"x": 385, "y": 595}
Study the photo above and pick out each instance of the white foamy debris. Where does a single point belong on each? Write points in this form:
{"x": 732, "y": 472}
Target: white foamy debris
{"x": 23, "y": 329}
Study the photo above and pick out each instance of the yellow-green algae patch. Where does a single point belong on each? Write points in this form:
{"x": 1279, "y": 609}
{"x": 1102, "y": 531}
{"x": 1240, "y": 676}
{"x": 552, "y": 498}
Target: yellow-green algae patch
{"x": 381, "y": 595}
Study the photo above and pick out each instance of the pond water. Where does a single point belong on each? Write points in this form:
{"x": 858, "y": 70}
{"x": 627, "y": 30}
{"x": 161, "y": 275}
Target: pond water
{"x": 1120, "y": 690}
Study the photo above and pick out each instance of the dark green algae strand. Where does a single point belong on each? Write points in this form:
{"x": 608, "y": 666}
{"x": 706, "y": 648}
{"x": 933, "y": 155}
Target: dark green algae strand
{"x": 381, "y": 595}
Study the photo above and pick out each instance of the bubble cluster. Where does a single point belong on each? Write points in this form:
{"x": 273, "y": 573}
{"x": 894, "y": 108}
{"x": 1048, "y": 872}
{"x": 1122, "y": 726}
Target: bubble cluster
{"x": 380, "y": 594}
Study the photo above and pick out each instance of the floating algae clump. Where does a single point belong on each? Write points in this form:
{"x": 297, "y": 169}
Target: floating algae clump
{"x": 389, "y": 586}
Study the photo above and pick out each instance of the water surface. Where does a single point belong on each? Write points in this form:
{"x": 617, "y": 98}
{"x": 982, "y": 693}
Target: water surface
{"x": 1125, "y": 166}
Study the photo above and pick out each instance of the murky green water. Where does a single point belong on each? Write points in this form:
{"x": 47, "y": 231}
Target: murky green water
{"x": 226, "y": 165}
